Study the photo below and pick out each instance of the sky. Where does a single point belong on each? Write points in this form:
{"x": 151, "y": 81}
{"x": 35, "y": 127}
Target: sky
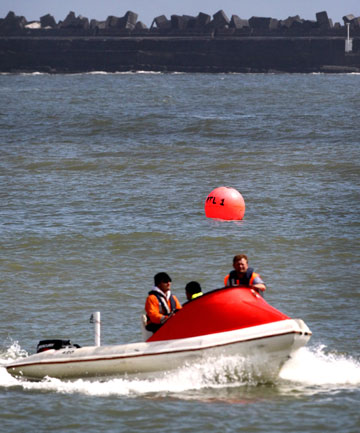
{"x": 147, "y": 10}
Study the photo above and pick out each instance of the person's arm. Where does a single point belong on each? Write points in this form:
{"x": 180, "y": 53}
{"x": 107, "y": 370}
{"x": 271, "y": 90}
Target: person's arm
{"x": 257, "y": 283}
{"x": 177, "y": 303}
{"x": 259, "y": 286}
{"x": 153, "y": 311}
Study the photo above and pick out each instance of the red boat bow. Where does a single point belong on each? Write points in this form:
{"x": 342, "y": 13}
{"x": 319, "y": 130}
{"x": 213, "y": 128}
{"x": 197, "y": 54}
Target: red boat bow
{"x": 218, "y": 311}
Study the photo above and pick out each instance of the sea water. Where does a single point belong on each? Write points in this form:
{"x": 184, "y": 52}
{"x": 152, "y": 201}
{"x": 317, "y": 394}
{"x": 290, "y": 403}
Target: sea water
{"x": 103, "y": 184}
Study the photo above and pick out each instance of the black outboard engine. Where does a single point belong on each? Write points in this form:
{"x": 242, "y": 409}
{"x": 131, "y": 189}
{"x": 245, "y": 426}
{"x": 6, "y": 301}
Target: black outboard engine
{"x": 54, "y": 344}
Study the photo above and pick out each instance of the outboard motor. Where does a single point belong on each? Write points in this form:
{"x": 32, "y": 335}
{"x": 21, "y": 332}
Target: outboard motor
{"x": 54, "y": 344}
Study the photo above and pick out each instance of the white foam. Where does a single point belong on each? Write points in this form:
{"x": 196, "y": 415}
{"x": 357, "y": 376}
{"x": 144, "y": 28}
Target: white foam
{"x": 34, "y": 73}
{"x": 219, "y": 372}
{"x": 95, "y": 73}
{"x": 313, "y": 366}
{"x": 119, "y": 73}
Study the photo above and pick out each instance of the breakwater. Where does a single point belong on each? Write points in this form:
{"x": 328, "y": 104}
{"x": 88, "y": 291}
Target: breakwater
{"x": 184, "y": 44}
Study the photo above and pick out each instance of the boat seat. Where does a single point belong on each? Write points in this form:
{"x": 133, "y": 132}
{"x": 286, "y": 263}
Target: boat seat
{"x": 145, "y": 333}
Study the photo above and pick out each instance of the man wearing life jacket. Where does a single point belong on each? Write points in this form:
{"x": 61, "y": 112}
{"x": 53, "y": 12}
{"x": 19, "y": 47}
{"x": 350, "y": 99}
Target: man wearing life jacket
{"x": 193, "y": 290}
{"x": 160, "y": 303}
{"x": 242, "y": 275}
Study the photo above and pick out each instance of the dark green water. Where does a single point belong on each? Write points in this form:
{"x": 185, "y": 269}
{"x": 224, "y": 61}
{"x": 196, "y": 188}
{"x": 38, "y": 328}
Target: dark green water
{"x": 103, "y": 183}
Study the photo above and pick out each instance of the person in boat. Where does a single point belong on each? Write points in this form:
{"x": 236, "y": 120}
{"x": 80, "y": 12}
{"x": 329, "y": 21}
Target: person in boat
{"x": 160, "y": 303}
{"x": 193, "y": 290}
{"x": 243, "y": 275}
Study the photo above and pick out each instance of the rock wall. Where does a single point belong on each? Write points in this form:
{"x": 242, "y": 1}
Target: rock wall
{"x": 188, "y": 54}
{"x": 177, "y": 25}
{"x": 189, "y": 44}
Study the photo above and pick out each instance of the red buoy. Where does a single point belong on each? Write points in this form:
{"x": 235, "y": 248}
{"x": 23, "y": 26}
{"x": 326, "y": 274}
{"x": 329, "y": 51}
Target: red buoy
{"x": 225, "y": 203}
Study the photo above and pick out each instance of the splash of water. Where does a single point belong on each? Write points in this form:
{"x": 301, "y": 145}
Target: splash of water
{"x": 315, "y": 367}
{"x": 12, "y": 353}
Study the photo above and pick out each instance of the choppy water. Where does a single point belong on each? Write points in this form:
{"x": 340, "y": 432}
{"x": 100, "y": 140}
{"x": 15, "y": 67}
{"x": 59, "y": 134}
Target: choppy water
{"x": 103, "y": 184}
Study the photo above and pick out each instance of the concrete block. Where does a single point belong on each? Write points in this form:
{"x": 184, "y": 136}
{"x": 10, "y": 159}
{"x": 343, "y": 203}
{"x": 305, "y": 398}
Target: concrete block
{"x": 140, "y": 26}
{"x": 128, "y": 21}
{"x": 190, "y": 21}
{"x": 260, "y": 23}
{"x": 95, "y": 24}
{"x": 274, "y": 24}
{"x": 161, "y": 22}
{"x": 112, "y": 22}
{"x": 356, "y": 22}
{"x": 12, "y": 23}
{"x": 73, "y": 22}
{"x": 238, "y": 23}
{"x": 323, "y": 20}
{"x": 288, "y": 23}
{"x": 131, "y": 17}
{"x": 220, "y": 19}
{"x": 202, "y": 20}
{"x": 178, "y": 22}
{"x": 48, "y": 21}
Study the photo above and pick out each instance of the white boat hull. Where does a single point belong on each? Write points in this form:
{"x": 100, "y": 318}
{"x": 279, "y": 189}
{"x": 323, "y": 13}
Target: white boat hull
{"x": 269, "y": 346}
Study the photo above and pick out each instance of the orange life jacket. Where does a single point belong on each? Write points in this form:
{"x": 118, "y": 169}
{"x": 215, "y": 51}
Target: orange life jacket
{"x": 247, "y": 279}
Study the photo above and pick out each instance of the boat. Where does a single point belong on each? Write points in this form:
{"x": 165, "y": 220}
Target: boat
{"x": 234, "y": 321}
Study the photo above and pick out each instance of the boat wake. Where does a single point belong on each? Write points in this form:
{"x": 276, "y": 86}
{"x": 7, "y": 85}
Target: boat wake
{"x": 316, "y": 367}
{"x": 310, "y": 370}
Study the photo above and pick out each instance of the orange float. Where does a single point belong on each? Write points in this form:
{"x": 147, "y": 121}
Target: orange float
{"x": 225, "y": 203}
